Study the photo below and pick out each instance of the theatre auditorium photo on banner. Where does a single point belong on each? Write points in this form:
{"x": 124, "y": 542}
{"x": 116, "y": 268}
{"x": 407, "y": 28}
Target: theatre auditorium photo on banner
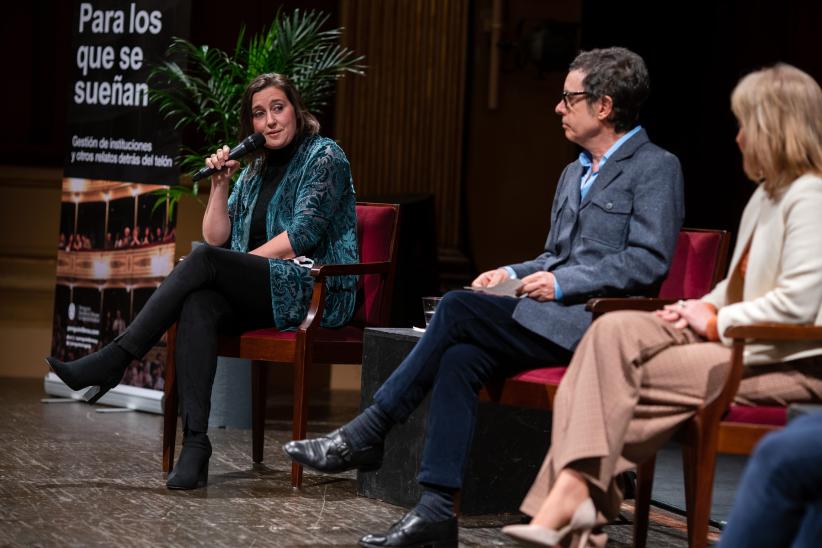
{"x": 116, "y": 245}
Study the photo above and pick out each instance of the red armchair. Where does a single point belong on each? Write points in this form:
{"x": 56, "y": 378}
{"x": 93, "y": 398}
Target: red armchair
{"x": 699, "y": 262}
{"x": 377, "y": 228}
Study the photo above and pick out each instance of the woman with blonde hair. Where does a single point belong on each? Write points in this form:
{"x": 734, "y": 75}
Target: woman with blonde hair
{"x": 636, "y": 376}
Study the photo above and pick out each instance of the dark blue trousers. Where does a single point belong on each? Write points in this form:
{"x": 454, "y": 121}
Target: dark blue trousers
{"x": 779, "y": 502}
{"x": 471, "y": 339}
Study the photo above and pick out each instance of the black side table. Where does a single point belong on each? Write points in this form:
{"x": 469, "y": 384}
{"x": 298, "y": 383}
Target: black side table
{"x": 508, "y": 448}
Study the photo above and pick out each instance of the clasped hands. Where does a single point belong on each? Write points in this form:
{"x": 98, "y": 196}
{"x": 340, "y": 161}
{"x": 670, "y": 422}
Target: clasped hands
{"x": 538, "y": 286}
{"x": 692, "y": 313}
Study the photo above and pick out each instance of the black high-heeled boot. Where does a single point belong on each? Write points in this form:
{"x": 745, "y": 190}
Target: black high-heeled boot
{"x": 191, "y": 471}
{"x": 102, "y": 370}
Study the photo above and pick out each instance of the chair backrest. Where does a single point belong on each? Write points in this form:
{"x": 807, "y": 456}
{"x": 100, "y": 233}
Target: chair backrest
{"x": 700, "y": 260}
{"x": 377, "y": 229}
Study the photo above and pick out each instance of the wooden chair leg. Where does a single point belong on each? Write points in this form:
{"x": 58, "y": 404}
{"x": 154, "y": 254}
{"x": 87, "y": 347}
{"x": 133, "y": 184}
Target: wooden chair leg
{"x": 699, "y": 465}
{"x": 171, "y": 402}
{"x": 259, "y": 391}
{"x": 703, "y": 485}
{"x": 644, "y": 486}
{"x": 300, "y": 407}
{"x": 688, "y": 476}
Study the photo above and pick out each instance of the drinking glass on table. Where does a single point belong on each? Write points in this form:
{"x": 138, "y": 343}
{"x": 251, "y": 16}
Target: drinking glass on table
{"x": 429, "y": 305}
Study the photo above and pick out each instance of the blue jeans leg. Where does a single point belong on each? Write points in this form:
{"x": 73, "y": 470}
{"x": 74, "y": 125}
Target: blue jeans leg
{"x": 471, "y": 339}
{"x": 780, "y": 489}
{"x": 810, "y": 532}
{"x": 464, "y": 369}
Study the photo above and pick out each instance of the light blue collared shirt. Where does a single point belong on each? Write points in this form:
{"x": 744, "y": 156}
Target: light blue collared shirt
{"x": 588, "y": 177}
{"x": 585, "y": 184}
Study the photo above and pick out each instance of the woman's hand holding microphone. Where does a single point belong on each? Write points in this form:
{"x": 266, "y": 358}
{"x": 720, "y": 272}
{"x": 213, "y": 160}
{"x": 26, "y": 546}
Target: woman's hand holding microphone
{"x": 219, "y": 160}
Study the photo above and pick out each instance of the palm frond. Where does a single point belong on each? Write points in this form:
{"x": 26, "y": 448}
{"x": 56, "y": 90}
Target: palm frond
{"x": 201, "y": 87}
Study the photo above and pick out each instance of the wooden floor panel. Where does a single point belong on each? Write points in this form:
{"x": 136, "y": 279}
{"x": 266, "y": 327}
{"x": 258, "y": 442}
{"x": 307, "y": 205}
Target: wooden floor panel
{"x": 72, "y": 477}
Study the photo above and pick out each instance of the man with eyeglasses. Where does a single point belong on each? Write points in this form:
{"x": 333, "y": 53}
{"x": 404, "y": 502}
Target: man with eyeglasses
{"x": 614, "y": 224}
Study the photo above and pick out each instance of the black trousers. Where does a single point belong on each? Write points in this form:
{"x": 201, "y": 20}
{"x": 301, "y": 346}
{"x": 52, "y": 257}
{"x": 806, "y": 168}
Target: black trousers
{"x": 471, "y": 339}
{"x": 212, "y": 291}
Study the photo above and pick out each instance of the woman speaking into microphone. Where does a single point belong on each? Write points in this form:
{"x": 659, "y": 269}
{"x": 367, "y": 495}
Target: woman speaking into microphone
{"x": 294, "y": 199}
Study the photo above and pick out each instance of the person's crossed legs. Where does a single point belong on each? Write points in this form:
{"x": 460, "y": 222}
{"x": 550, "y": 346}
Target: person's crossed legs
{"x": 471, "y": 339}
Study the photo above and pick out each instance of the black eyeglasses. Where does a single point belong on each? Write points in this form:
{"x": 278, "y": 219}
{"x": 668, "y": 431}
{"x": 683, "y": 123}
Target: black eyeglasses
{"x": 566, "y": 94}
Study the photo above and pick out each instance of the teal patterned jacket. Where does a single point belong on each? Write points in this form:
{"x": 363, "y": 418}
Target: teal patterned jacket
{"x": 315, "y": 203}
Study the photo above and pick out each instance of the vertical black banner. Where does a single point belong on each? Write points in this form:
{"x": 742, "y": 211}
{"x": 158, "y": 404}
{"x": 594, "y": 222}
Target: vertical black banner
{"x": 114, "y": 133}
{"x": 117, "y": 238}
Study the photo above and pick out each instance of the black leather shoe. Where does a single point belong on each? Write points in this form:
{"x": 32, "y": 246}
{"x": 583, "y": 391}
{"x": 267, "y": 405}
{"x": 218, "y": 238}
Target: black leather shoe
{"x": 334, "y": 453}
{"x": 413, "y": 531}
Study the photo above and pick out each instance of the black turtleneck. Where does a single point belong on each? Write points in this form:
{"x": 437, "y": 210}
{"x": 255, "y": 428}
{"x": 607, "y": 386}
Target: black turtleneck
{"x": 276, "y": 163}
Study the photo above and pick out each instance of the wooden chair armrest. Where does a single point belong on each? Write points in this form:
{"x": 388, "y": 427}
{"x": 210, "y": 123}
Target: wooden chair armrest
{"x": 740, "y": 335}
{"x": 776, "y": 332}
{"x": 600, "y": 305}
{"x": 315, "y": 310}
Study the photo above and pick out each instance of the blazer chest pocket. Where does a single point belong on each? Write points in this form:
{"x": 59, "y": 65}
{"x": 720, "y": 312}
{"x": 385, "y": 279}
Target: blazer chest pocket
{"x": 605, "y": 220}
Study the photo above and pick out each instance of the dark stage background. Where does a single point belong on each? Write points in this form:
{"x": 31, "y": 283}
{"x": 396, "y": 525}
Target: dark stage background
{"x": 696, "y": 51}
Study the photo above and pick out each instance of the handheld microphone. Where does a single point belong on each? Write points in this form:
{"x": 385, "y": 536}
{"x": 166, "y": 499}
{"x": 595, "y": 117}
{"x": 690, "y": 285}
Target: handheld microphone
{"x": 249, "y": 144}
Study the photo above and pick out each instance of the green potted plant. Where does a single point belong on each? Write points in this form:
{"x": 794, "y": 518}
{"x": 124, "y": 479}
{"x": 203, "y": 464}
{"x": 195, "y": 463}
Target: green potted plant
{"x": 201, "y": 86}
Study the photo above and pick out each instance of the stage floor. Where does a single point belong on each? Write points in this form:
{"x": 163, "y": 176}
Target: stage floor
{"x": 71, "y": 476}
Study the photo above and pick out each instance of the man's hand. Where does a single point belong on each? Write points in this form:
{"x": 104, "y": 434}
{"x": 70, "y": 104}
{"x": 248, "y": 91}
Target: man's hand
{"x": 538, "y": 286}
{"x": 491, "y": 278}
{"x": 692, "y": 313}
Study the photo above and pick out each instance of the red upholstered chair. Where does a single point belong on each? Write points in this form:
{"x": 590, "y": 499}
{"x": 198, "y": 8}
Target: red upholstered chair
{"x": 718, "y": 427}
{"x": 699, "y": 262}
{"x": 377, "y": 228}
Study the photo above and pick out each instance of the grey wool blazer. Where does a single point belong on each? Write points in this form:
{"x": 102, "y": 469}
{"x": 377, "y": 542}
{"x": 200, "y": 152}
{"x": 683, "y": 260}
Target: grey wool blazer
{"x": 619, "y": 241}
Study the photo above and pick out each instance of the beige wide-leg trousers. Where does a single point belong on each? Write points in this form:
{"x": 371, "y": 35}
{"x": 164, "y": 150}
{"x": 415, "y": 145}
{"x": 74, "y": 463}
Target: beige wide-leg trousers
{"x": 633, "y": 379}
